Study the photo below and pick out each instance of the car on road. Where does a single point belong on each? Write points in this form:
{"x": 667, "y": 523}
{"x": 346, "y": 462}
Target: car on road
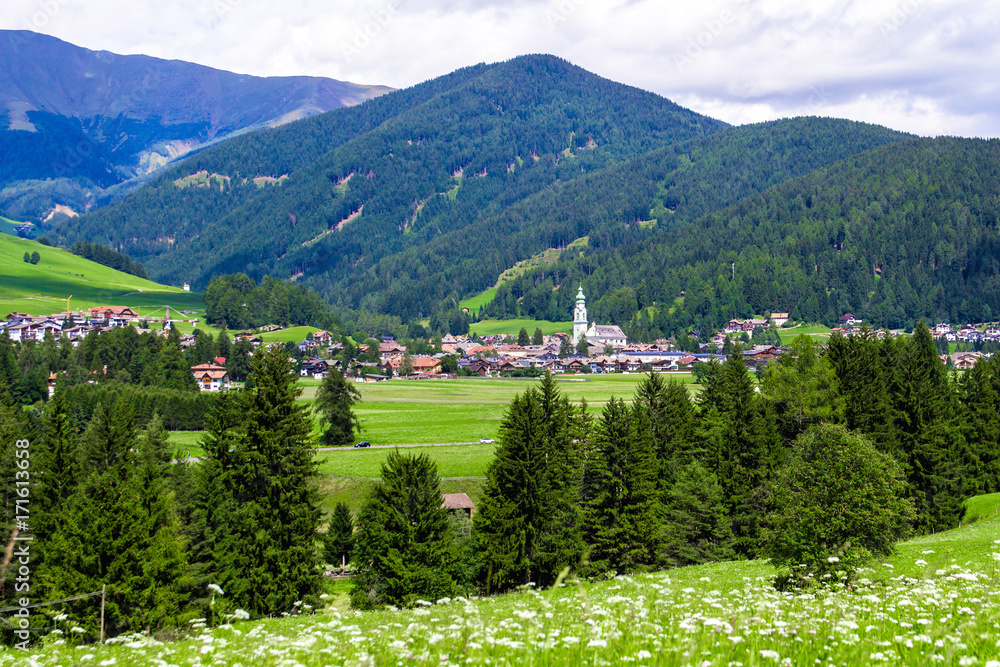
{"x": 486, "y": 441}
{"x": 363, "y": 444}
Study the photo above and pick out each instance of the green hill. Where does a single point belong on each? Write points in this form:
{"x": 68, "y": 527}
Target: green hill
{"x": 903, "y": 231}
{"x": 43, "y": 288}
{"x": 373, "y": 181}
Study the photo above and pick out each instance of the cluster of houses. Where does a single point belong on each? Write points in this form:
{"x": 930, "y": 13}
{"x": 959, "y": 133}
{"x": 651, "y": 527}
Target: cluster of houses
{"x": 488, "y": 356}
{"x": 24, "y": 327}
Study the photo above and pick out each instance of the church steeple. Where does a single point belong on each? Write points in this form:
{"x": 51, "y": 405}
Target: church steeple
{"x": 580, "y": 316}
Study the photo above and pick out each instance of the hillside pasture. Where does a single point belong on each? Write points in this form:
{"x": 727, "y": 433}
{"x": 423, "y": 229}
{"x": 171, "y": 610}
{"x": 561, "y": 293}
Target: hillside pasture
{"x": 41, "y": 289}
{"x": 937, "y": 601}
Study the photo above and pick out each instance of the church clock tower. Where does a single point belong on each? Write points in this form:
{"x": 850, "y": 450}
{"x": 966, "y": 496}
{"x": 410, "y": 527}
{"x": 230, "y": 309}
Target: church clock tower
{"x": 580, "y": 317}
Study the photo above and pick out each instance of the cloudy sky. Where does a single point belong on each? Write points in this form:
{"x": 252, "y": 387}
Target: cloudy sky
{"x": 924, "y": 66}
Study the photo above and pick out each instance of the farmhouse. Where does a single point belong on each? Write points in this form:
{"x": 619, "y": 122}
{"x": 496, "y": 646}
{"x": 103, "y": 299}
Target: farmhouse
{"x": 211, "y": 377}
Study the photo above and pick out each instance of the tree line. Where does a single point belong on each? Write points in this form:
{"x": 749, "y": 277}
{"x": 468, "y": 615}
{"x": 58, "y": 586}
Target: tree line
{"x": 874, "y": 431}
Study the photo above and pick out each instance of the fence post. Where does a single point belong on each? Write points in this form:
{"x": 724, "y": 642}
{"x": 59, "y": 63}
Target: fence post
{"x": 102, "y": 612}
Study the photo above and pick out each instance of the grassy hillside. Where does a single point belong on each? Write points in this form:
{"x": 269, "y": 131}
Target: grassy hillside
{"x": 936, "y": 601}
{"x": 43, "y": 288}
{"x": 512, "y": 327}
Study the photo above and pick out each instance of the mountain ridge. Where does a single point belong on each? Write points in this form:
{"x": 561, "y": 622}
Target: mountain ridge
{"x": 113, "y": 117}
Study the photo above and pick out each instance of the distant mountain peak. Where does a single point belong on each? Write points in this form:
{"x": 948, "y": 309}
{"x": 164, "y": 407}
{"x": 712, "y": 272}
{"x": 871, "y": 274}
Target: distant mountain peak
{"x": 97, "y": 118}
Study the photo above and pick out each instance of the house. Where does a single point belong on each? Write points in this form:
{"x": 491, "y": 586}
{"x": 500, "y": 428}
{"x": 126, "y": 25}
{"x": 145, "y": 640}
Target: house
{"x": 426, "y": 365}
{"x": 211, "y": 377}
{"x": 779, "y": 319}
{"x": 119, "y": 313}
{"x": 849, "y": 320}
{"x": 322, "y": 337}
{"x": 458, "y": 503}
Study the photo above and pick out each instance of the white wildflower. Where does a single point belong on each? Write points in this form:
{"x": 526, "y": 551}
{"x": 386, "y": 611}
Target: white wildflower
{"x": 768, "y": 653}
{"x": 215, "y": 588}
{"x": 832, "y": 559}
{"x": 597, "y": 643}
{"x": 646, "y": 655}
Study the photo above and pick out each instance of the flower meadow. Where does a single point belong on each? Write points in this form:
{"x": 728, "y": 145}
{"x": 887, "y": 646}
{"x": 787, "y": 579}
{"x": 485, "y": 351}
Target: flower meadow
{"x": 937, "y": 601}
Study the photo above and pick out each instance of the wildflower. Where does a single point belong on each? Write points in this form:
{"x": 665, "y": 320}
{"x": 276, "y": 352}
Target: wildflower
{"x": 241, "y": 615}
{"x": 768, "y": 653}
{"x": 832, "y": 559}
{"x": 424, "y": 603}
{"x": 597, "y": 643}
{"x": 78, "y": 630}
{"x": 920, "y": 561}
{"x": 215, "y": 588}
{"x": 646, "y": 655}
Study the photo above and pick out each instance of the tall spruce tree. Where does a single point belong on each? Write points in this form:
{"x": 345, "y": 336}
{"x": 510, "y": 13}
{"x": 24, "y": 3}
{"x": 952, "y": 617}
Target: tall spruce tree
{"x": 622, "y": 501}
{"x": 402, "y": 548}
{"x": 743, "y": 446}
{"x": 695, "y": 526}
{"x": 338, "y": 542}
{"x": 334, "y": 401}
{"x": 529, "y": 524}
{"x": 929, "y": 433}
{"x": 264, "y": 550}
{"x": 979, "y": 393}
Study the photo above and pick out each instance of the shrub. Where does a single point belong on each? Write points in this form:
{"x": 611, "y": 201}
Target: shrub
{"x": 839, "y": 504}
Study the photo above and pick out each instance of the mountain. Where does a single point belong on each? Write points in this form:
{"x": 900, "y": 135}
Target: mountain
{"x": 93, "y": 119}
{"x": 409, "y": 202}
{"x": 325, "y": 200}
{"x": 906, "y": 230}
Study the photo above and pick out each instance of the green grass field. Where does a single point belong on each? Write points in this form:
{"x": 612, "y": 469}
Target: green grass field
{"x": 480, "y": 300}
{"x": 981, "y": 507}
{"x": 466, "y": 409}
{"x": 291, "y": 334}
{"x": 452, "y": 461}
{"x": 7, "y": 226}
{"x": 512, "y": 327}
{"x": 937, "y": 601}
{"x": 816, "y": 331}
{"x": 41, "y": 289}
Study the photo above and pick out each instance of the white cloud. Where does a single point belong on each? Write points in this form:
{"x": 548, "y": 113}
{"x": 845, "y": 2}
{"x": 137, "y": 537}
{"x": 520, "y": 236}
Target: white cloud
{"x": 926, "y": 66}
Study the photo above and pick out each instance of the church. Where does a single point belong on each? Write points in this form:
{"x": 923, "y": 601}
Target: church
{"x": 599, "y": 335}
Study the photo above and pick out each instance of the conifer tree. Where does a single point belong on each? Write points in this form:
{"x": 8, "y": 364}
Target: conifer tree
{"x": 930, "y": 437}
{"x": 334, "y": 400}
{"x": 695, "y": 526}
{"x": 538, "y": 337}
{"x": 979, "y": 392}
{"x": 522, "y": 337}
{"x": 743, "y": 446}
{"x": 402, "y": 550}
{"x": 264, "y": 551}
{"x": 529, "y": 524}
{"x": 622, "y": 500}
{"x": 338, "y": 542}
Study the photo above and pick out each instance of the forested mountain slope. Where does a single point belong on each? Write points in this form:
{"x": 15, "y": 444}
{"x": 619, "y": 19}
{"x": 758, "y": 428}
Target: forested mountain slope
{"x": 74, "y": 121}
{"x": 908, "y": 230}
{"x": 394, "y": 173}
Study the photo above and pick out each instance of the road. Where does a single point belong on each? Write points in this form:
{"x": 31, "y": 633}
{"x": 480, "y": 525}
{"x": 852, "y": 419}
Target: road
{"x": 195, "y": 459}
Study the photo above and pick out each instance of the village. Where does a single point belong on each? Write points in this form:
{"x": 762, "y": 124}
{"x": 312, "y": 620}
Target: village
{"x": 608, "y": 349}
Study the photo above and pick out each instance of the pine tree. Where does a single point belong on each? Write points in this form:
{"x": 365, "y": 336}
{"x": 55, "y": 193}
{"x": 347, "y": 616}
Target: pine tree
{"x": 622, "y": 500}
{"x": 264, "y": 551}
{"x": 695, "y": 526}
{"x": 334, "y": 400}
{"x": 402, "y": 549}
{"x": 930, "y": 438}
{"x": 522, "y": 337}
{"x": 743, "y": 446}
{"x": 338, "y": 543}
{"x": 537, "y": 338}
{"x": 529, "y": 524}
